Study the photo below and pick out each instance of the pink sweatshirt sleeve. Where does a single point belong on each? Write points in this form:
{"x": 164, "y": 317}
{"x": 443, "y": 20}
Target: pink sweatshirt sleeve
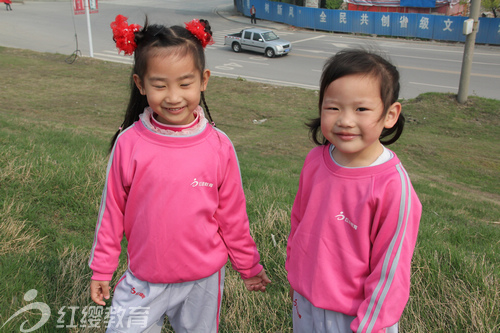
{"x": 109, "y": 230}
{"x": 393, "y": 239}
{"x": 233, "y": 220}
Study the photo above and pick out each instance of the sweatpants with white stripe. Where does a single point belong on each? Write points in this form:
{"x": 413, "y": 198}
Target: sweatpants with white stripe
{"x": 140, "y": 306}
{"x": 309, "y": 319}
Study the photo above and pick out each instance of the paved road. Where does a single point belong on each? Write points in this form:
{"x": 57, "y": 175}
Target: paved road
{"x": 424, "y": 66}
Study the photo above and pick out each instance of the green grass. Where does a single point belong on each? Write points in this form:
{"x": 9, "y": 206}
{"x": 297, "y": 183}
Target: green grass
{"x": 56, "y": 121}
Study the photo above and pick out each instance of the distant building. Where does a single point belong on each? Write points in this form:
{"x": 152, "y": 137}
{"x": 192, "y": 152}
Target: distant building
{"x": 443, "y": 7}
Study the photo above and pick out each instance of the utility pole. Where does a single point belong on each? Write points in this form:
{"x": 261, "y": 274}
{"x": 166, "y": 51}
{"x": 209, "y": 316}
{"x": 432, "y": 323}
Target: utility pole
{"x": 470, "y": 41}
{"x": 87, "y": 13}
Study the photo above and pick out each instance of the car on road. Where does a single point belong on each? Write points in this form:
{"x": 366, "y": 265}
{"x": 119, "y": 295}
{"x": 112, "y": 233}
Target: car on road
{"x": 258, "y": 40}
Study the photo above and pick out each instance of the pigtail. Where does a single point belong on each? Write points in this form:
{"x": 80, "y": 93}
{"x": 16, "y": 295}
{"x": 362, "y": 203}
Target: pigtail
{"x": 206, "y": 109}
{"x": 390, "y": 93}
{"x": 202, "y": 31}
{"x": 130, "y": 40}
{"x": 136, "y": 105}
{"x": 315, "y": 133}
{"x": 394, "y": 132}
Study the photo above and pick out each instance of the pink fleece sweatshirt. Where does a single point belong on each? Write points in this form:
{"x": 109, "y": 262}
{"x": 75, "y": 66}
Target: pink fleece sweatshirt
{"x": 180, "y": 203}
{"x": 353, "y": 233}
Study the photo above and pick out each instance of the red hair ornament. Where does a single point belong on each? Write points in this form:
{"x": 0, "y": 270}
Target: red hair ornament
{"x": 197, "y": 28}
{"x": 124, "y": 34}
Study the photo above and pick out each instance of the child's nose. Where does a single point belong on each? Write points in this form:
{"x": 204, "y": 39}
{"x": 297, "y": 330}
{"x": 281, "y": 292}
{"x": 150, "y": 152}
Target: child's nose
{"x": 345, "y": 119}
{"x": 173, "y": 96}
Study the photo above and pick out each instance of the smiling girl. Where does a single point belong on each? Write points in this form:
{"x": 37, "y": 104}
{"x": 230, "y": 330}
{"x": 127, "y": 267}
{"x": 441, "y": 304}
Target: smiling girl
{"x": 355, "y": 218}
{"x": 173, "y": 187}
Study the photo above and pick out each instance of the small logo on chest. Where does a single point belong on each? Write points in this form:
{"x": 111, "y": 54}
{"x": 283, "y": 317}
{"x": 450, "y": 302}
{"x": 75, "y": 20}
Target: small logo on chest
{"x": 196, "y": 183}
{"x": 341, "y": 217}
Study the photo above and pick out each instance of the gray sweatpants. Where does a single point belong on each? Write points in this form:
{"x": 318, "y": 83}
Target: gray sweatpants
{"x": 140, "y": 306}
{"x": 309, "y": 319}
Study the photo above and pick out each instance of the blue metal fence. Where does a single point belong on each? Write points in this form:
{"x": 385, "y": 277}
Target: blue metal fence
{"x": 437, "y": 27}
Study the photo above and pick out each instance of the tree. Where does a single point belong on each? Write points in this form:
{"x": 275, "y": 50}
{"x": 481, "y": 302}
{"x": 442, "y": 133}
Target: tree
{"x": 335, "y": 4}
{"x": 492, "y": 5}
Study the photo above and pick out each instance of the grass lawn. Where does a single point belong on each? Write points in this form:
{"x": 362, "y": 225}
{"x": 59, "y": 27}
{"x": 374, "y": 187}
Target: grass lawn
{"x": 56, "y": 121}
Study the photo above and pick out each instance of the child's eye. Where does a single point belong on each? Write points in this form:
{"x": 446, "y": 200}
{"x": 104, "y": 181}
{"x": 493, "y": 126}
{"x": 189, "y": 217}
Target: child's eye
{"x": 185, "y": 84}
{"x": 361, "y": 109}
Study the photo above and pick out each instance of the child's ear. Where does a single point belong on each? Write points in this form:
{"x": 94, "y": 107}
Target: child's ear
{"x": 204, "y": 78}
{"x": 392, "y": 115}
{"x": 138, "y": 84}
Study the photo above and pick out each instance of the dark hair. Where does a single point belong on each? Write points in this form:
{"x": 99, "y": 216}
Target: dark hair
{"x": 149, "y": 40}
{"x": 358, "y": 61}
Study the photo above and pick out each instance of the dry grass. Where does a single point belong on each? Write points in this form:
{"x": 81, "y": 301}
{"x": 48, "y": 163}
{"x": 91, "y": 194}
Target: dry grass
{"x": 450, "y": 303}
{"x": 15, "y": 235}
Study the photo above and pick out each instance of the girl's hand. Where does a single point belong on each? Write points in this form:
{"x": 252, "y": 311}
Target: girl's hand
{"x": 99, "y": 290}
{"x": 258, "y": 282}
